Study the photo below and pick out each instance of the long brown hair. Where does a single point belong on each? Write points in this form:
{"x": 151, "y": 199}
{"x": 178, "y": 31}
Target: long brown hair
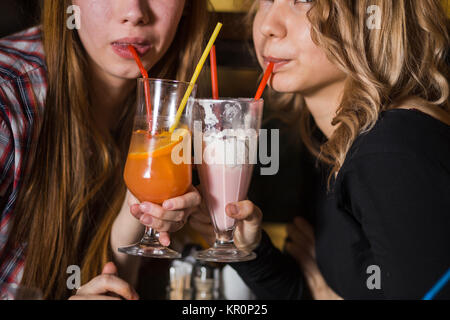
{"x": 69, "y": 201}
{"x": 404, "y": 62}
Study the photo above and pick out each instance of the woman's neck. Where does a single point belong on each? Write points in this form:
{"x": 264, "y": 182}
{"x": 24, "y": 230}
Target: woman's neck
{"x": 108, "y": 97}
{"x": 323, "y": 104}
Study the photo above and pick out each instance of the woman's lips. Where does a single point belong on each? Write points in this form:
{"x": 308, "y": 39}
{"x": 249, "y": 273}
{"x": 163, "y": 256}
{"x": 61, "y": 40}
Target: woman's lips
{"x": 278, "y": 62}
{"x": 120, "y": 47}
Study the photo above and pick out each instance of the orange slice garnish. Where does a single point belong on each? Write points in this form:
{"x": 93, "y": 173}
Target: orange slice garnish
{"x": 161, "y": 144}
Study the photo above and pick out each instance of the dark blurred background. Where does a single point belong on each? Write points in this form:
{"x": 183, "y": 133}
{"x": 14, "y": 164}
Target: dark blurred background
{"x": 16, "y": 15}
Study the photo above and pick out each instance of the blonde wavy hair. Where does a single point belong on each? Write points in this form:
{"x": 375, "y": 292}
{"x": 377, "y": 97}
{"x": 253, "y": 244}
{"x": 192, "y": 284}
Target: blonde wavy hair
{"x": 403, "y": 63}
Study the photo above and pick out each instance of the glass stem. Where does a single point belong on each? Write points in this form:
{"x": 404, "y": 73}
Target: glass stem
{"x": 224, "y": 239}
{"x": 149, "y": 237}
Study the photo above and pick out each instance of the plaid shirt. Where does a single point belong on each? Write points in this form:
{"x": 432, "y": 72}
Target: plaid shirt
{"x": 23, "y": 87}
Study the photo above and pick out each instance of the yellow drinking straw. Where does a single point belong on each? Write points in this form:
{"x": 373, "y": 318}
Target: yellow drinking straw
{"x": 198, "y": 69}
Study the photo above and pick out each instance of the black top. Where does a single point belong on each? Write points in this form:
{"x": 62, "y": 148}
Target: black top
{"x": 388, "y": 207}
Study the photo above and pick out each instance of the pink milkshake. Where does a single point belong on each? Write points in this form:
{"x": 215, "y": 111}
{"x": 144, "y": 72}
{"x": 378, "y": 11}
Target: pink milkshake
{"x": 225, "y": 174}
{"x": 226, "y": 133}
{"x": 224, "y": 185}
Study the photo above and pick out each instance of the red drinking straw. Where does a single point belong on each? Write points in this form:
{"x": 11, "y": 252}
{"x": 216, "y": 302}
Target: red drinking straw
{"x": 144, "y": 73}
{"x": 214, "y": 82}
{"x": 264, "y": 81}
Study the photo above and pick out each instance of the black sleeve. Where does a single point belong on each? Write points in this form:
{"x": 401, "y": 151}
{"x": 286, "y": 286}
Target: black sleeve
{"x": 403, "y": 204}
{"x": 273, "y": 275}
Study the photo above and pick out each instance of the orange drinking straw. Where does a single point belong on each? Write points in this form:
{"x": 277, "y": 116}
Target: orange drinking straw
{"x": 214, "y": 82}
{"x": 264, "y": 81}
{"x": 144, "y": 73}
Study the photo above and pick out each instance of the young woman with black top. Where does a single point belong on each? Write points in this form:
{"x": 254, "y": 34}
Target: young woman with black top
{"x": 380, "y": 97}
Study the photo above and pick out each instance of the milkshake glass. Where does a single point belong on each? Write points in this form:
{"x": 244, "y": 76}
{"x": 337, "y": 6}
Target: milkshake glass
{"x": 225, "y": 148}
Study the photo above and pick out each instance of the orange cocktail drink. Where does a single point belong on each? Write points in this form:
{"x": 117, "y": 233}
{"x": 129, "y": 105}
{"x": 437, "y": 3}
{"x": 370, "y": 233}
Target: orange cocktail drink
{"x": 158, "y": 166}
{"x": 150, "y": 172}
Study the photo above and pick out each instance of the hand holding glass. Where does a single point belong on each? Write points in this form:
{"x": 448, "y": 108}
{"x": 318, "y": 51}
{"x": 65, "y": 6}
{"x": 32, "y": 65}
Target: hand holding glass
{"x": 152, "y": 174}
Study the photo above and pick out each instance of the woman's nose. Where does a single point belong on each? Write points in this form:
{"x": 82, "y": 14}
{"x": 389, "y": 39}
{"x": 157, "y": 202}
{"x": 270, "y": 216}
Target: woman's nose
{"x": 134, "y": 12}
{"x": 273, "y": 25}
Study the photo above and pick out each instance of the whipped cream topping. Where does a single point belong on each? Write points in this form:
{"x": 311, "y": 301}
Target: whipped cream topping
{"x": 230, "y": 147}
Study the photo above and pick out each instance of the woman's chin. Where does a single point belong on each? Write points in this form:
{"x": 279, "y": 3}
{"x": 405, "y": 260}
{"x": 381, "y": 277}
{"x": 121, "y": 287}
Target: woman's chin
{"x": 132, "y": 72}
{"x": 283, "y": 88}
{"x": 129, "y": 74}
{"x": 290, "y": 84}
